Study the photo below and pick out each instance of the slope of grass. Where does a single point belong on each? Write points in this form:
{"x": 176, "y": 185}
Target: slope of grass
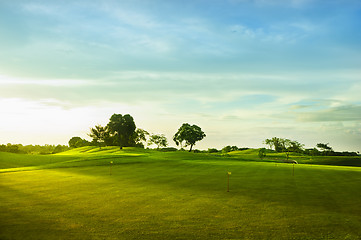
{"x": 154, "y": 195}
{"x": 252, "y": 155}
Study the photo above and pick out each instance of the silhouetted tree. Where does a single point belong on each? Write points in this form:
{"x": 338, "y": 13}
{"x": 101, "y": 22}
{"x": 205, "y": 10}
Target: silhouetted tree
{"x": 76, "y": 142}
{"x": 122, "y": 127}
{"x": 189, "y": 134}
{"x": 99, "y": 133}
{"x": 158, "y": 139}
{"x": 139, "y": 136}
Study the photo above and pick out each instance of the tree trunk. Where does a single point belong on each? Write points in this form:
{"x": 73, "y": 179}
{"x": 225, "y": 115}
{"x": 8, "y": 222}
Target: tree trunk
{"x": 190, "y": 150}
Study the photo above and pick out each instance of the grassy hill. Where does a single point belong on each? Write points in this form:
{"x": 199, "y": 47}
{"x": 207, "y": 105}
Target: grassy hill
{"x": 146, "y": 194}
{"x": 252, "y": 155}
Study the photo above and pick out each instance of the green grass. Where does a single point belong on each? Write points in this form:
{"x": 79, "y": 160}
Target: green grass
{"x": 174, "y": 195}
{"x": 252, "y": 155}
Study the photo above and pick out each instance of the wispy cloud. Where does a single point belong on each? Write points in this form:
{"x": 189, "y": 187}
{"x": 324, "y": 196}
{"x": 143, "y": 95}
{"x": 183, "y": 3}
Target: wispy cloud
{"x": 245, "y": 67}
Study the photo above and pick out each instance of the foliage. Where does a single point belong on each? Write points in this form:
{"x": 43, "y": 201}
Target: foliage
{"x": 262, "y": 153}
{"x": 325, "y": 149}
{"x": 168, "y": 149}
{"x": 158, "y": 139}
{"x": 213, "y": 150}
{"x": 99, "y": 134}
{"x": 139, "y": 136}
{"x": 190, "y": 134}
{"x": 123, "y": 128}
{"x": 227, "y": 149}
{"x": 284, "y": 145}
{"x": 76, "y": 142}
{"x": 33, "y": 149}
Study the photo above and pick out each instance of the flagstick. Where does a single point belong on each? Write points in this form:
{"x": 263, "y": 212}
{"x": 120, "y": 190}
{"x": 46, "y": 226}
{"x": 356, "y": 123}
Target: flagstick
{"x": 229, "y": 173}
{"x": 110, "y": 169}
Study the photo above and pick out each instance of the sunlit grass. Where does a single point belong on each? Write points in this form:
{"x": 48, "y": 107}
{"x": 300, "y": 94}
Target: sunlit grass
{"x": 178, "y": 195}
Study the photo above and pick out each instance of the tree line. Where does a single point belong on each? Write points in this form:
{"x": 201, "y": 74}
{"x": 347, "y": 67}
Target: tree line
{"x": 33, "y": 149}
{"x": 122, "y": 131}
{"x": 286, "y": 145}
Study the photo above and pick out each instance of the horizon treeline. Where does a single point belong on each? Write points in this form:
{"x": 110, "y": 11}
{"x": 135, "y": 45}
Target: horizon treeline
{"x": 33, "y": 149}
{"x": 121, "y": 131}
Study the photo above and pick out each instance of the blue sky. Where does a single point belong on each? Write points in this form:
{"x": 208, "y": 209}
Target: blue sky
{"x": 243, "y": 70}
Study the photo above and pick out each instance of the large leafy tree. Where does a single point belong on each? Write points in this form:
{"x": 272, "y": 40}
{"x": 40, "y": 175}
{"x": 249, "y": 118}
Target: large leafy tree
{"x": 190, "y": 134}
{"x": 123, "y": 128}
{"x": 99, "y": 134}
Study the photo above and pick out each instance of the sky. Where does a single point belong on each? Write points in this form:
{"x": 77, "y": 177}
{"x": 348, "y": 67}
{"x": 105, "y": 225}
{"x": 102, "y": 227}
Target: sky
{"x": 242, "y": 70}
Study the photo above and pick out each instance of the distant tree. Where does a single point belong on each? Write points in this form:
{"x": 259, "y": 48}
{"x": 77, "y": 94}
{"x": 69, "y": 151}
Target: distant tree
{"x": 296, "y": 147}
{"x": 212, "y": 150}
{"x": 324, "y": 147}
{"x": 229, "y": 149}
{"x": 99, "y": 133}
{"x": 59, "y": 148}
{"x": 190, "y": 134}
{"x": 158, "y": 139}
{"x": 226, "y": 149}
{"x": 262, "y": 153}
{"x": 286, "y": 146}
{"x": 76, "y": 142}
{"x": 275, "y": 142}
{"x": 312, "y": 151}
{"x": 269, "y": 142}
{"x": 139, "y": 136}
{"x": 122, "y": 128}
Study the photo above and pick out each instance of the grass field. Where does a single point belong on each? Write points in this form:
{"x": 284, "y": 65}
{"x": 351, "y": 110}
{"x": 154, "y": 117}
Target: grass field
{"x": 175, "y": 195}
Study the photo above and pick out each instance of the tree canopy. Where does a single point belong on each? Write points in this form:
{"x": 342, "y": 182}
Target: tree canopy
{"x": 123, "y": 128}
{"x": 158, "y": 139}
{"x": 99, "y": 134}
{"x": 189, "y": 134}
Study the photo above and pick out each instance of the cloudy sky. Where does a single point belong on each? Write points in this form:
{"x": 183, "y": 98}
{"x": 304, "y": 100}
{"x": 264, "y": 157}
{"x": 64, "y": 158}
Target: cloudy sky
{"x": 242, "y": 70}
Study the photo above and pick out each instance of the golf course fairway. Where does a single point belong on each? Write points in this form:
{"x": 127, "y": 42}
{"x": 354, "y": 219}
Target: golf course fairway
{"x": 92, "y": 193}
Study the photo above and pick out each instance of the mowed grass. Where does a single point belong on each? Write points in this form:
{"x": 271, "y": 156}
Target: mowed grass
{"x": 176, "y": 195}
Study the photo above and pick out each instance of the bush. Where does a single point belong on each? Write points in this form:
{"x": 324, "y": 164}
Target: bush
{"x": 213, "y": 150}
{"x": 168, "y": 149}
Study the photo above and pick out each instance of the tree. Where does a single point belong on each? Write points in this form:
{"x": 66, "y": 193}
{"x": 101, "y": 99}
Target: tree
{"x": 269, "y": 142}
{"x": 262, "y": 153}
{"x": 284, "y": 145}
{"x": 227, "y": 149}
{"x": 275, "y": 142}
{"x": 324, "y": 148}
{"x": 76, "y": 142}
{"x": 122, "y": 127}
{"x": 189, "y": 134}
{"x": 139, "y": 136}
{"x": 99, "y": 133}
{"x": 158, "y": 139}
